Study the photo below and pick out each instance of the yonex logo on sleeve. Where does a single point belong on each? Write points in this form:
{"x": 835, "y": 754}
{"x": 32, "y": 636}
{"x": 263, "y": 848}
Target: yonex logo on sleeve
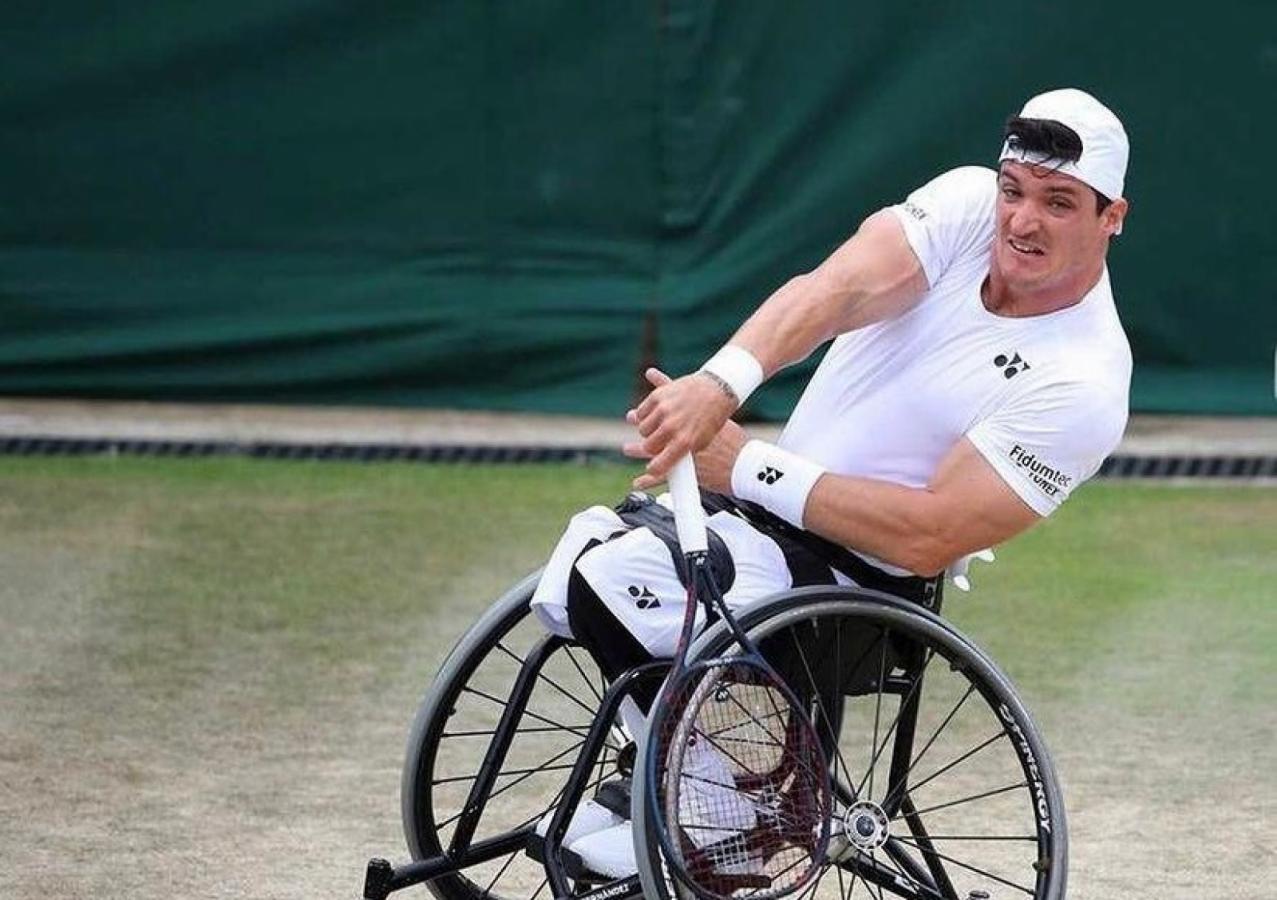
{"x": 1011, "y": 366}
{"x": 916, "y": 211}
{"x": 770, "y": 475}
{"x": 643, "y": 598}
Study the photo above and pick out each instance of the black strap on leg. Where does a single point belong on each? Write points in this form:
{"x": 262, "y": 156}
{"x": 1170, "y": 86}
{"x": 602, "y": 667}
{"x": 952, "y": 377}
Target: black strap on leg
{"x": 810, "y": 556}
{"x": 641, "y": 510}
{"x": 610, "y": 643}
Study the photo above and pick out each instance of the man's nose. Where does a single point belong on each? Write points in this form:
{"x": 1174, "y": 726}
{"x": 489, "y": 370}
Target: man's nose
{"x": 1025, "y": 219}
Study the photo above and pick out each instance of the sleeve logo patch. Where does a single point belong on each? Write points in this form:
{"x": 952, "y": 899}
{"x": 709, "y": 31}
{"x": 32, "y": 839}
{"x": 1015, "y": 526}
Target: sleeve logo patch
{"x": 1048, "y": 478}
{"x": 914, "y": 210}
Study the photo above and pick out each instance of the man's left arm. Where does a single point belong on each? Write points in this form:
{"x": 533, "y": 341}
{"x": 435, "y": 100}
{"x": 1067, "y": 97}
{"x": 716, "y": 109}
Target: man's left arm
{"x": 1005, "y": 473}
{"x": 966, "y": 507}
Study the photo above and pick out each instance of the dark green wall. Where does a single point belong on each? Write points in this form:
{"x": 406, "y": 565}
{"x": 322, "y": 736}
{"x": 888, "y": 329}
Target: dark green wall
{"x": 511, "y": 205}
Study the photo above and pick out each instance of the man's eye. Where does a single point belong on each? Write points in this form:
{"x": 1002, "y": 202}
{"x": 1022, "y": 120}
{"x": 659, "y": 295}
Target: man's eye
{"x": 1061, "y": 205}
{"x": 1010, "y": 192}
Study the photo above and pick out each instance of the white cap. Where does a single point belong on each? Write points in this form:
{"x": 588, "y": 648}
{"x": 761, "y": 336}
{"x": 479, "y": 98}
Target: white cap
{"x": 1105, "y": 149}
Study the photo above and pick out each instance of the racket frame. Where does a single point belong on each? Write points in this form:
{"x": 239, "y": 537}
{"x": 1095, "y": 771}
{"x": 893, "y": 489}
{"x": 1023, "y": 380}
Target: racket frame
{"x": 689, "y": 520}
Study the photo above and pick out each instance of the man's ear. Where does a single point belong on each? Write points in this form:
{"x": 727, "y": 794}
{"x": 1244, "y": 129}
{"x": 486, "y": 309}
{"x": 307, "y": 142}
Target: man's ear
{"x": 1114, "y": 216}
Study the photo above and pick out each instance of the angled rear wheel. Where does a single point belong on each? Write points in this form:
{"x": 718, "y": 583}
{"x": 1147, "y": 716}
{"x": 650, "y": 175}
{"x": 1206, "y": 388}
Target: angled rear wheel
{"x": 944, "y": 788}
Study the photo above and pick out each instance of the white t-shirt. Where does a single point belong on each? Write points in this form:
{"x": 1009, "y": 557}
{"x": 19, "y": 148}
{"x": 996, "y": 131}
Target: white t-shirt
{"x": 1043, "y": 398}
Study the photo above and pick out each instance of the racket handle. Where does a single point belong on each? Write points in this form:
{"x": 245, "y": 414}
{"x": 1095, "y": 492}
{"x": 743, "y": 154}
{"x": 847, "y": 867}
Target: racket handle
{"x": 689, "y": 515}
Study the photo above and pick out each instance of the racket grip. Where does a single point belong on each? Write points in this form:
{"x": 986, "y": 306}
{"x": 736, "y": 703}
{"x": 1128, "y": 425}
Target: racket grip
{"x": 689, "y": 515}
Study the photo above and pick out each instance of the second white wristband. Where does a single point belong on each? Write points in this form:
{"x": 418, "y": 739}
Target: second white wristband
{"x": 776, "y": 479}
{"x": 738, "y": 369}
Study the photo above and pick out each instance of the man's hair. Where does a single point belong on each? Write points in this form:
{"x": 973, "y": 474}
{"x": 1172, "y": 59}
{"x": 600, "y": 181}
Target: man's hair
{"x": 1050, "y": 139}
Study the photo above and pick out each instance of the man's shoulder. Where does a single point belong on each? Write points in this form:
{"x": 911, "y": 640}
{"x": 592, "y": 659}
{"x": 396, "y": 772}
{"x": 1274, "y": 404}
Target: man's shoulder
{"x": 966, "y": 188}
{"x": 967, "y": 184}
{"x": 970, "y": 177}
{"x": 1082, "y": 370}
{"x": 1082, "y": 356}
{"x": 1098, "y": 348}
{"x": 950, "y": 218}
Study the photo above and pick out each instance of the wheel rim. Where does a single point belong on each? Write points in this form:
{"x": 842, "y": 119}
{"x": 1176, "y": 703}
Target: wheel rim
{"x": 462, "y": 717}
{"x": 978, "y": 780}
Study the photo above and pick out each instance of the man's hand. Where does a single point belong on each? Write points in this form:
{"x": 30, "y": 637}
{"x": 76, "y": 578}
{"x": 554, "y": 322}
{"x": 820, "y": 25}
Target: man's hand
{"x": 679, "y": 417}
{"x": 713, "y": 464}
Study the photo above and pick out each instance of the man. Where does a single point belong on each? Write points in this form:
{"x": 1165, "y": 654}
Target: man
{"x": 978, "y": 374}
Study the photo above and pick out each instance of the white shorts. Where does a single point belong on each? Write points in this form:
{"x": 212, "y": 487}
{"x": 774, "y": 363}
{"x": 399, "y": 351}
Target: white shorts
{"x": 633, "y": 574}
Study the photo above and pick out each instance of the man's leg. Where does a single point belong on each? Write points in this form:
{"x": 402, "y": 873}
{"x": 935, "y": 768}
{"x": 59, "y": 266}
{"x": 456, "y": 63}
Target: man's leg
{"x": 626, "y": 603}
{"x": 610, "y": 644}
{"x": 586, "y": 529}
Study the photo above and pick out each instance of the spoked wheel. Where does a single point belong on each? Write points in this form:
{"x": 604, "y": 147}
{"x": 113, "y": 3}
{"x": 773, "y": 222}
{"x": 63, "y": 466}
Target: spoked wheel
{"x": 491, "y": 748}
{"x": 943, "y": 786}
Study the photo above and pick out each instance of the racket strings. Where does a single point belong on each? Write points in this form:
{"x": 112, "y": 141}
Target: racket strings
{"x": 746, "y": 791}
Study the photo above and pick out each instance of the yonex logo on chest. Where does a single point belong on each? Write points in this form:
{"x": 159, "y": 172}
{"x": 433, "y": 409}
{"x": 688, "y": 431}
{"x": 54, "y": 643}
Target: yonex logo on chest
{"x": 1011, "y": 366}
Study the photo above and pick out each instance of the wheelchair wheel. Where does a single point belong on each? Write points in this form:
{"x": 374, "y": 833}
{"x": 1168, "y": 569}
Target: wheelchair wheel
{"x": 508, "y": 713}
{"x": 943, "y": 785}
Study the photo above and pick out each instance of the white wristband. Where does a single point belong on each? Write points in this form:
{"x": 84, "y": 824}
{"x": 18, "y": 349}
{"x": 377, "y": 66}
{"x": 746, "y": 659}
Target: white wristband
{"x": 738, "y": 369}
{"x": 776, "y": 479}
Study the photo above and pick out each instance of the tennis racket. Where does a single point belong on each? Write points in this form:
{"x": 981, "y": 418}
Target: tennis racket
{"x": 740, "y": 793}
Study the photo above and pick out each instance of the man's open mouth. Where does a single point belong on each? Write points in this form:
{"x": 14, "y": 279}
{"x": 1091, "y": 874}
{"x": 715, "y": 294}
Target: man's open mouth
{"x": 1020, "y": 247}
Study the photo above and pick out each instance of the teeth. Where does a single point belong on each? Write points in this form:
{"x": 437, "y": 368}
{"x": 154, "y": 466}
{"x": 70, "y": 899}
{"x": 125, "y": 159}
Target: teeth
{"x": 1022, "y": 247}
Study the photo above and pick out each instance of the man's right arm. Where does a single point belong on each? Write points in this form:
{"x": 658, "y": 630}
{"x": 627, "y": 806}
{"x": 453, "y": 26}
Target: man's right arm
{"x": 873, "y": 276}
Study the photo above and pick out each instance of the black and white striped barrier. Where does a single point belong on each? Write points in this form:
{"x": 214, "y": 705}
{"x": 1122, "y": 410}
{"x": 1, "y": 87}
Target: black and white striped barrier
{"x": 1120, "y": 466}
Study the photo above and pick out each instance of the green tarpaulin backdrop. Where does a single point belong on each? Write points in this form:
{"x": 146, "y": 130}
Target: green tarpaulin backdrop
{"x": 512, "y": 205}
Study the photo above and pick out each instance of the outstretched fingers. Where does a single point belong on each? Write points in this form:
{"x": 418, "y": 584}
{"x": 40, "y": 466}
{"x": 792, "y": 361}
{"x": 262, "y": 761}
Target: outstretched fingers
{"x": 663, "y": 462}
{"x": 657, "y": 379}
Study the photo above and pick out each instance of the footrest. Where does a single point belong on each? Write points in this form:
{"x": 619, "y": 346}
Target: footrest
{"x": 574, "y": 867}
{"x": 377, "y": 879}
{"x": 614, "y": 796}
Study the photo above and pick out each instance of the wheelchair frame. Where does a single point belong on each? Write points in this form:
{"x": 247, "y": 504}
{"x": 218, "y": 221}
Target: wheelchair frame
{"x": 906, "y": 877}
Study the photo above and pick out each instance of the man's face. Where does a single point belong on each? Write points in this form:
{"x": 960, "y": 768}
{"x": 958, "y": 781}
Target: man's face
{"x": 1048, "y": 232}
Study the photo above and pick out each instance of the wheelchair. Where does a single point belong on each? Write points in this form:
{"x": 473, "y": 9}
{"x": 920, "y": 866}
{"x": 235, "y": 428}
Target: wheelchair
{"x": 943, "y": 786}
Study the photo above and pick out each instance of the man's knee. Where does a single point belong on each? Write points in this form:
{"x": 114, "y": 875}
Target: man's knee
{"x": 586, "y": 528}
{"x": 596, "y": 628}
{"x": 584, "y": 607}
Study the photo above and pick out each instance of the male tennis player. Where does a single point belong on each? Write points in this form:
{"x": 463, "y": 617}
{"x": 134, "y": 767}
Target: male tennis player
{"x": 978, "y": 374}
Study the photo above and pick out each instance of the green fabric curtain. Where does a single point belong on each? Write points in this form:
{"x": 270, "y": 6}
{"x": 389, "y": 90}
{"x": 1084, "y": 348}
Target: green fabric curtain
{"x": 514, "y": 205}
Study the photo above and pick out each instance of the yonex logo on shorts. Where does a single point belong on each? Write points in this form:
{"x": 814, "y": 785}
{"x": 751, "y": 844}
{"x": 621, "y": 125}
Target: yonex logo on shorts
{"x": 770, "y": 475}
{"x": 643, "y": 598}
{"x": 1011, "y": 366}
